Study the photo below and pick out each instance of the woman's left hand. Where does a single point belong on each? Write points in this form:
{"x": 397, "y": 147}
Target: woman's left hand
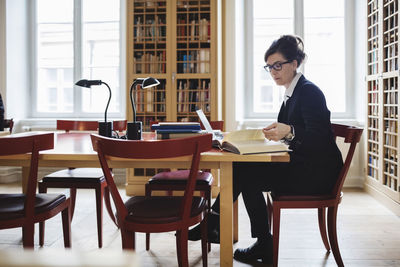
{"x": 276, "y": 131}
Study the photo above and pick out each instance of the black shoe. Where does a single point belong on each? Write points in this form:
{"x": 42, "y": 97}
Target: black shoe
{"x": 212, "y": 230}
{"x": 212, "y": 235}
{"x": 195, "y": 233}
{"x": 255, "y": 252}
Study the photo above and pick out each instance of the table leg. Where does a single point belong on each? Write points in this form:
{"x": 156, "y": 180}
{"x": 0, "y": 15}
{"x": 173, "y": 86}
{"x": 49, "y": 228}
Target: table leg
{"x": 236, "y": 221}
{"x": 226, "y": 209}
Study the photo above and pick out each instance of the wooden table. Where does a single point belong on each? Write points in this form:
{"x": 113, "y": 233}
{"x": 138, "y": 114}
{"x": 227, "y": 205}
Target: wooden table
{"x": 75, "y": 150}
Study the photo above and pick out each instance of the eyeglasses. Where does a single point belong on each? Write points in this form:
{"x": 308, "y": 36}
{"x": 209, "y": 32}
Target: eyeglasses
{"x": 276, "y": 66}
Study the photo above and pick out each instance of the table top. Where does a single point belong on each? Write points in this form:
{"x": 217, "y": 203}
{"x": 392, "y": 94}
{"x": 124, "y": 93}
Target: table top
{"x": 78, "y": 146}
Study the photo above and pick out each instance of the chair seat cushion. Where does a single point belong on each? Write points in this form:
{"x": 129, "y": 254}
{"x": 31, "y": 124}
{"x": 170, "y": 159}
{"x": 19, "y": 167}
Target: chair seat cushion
{"x": 160, "y": 209}
{"x": 180, "y": 177}
{"x": 12, "y": 205}
{"x": 75, "y": 175}
{"x": 279, "y": 197}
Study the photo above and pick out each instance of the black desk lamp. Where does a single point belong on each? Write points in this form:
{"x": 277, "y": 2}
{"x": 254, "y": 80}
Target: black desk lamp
{"x": 134, "y": 131}
{"x": 105, "y": 128}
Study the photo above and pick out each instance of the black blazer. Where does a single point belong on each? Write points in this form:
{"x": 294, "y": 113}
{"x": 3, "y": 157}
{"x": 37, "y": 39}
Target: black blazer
{"x": 1, "y": 114}
{"x": 307, "y": 112}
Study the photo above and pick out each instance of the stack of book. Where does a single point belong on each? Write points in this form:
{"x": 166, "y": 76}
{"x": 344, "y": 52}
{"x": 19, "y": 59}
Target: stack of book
{"x": 169, "y": 130}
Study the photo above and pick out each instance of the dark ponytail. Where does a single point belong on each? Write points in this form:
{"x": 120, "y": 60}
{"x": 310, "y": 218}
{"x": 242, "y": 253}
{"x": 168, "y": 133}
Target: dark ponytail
{"x": 290, "y": 46}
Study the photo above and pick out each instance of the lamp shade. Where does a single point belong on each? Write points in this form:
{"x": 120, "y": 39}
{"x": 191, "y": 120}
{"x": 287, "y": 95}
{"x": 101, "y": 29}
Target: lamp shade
{"x": 105, "y": 128}
{"x": 149, "y": 82}
{"x": 88, "y": 83}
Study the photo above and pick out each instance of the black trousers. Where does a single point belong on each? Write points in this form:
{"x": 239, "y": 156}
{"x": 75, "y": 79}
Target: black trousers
{"x": 251, "y": 179}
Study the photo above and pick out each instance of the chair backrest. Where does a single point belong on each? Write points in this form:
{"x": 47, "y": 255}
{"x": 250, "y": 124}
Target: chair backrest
{"x": 120, "y": 126}
{"x": 132, "y": 149}
{"x": 72, "y": 125}
{"x": 8, "y": 123}
{"x": 28, "y": 143}
{"x": 215, "y": 125}
{"x": 352, "y": 136}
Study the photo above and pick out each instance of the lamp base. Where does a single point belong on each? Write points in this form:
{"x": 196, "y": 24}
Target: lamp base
{"x": 105, "y": 128}
{"x": 134, "y": 130}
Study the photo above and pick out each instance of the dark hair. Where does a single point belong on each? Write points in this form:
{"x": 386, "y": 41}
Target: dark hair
{"x": 290, "y": 46}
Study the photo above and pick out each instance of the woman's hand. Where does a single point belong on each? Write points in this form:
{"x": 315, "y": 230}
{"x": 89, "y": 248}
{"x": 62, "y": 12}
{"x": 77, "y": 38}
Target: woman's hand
{"x": 276, "y": 131}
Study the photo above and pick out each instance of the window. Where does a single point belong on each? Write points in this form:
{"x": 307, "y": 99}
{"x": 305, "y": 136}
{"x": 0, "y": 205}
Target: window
{"x": 321, "y": 24}
{"x": 76, "y": 39}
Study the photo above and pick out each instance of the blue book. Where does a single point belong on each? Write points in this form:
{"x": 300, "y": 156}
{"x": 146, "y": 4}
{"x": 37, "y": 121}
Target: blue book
{"x": 176, "y": 126}
{"x": 164, "y": 131}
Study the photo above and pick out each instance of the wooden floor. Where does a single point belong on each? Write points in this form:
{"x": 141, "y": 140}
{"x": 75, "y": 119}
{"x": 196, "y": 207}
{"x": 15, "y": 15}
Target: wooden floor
{"x": 369, "y": 235}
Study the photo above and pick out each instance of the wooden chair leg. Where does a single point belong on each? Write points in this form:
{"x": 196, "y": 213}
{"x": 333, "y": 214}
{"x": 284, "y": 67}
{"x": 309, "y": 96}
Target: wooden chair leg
{"x": 28, "y": 232}
{"x": 41, "y": 233}
{"x": 147, "y": 241}
{"x": 66, "y": 222}
{"x": 204, "y": 241}
{"x": 182, "y": 247}
{"x": 322, "y": 227}
{"x": 147, "y": 194}
{"x": 107, "y": 202}
{"x": 128, "y": 239}
{"x": 207, "y": 195}
{"x": 72, "y": 195}
{"x": 42, "y": 189}
{"x": 275, "y": 236}
{"x": 332, "y": 215}
{"x": 99, "y": 211}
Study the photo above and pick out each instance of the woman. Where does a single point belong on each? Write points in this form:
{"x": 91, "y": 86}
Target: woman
{"x": 315, "y": 160}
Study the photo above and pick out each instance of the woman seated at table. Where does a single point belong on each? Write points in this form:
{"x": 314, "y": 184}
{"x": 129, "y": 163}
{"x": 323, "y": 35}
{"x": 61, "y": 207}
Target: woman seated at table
{"x": 315, "y": 161}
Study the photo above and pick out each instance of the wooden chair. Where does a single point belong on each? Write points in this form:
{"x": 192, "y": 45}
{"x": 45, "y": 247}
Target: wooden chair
{"x": 331, "y": 202}
{"x": 24, "y": 210}
{"x": 82, "y": 177}
{"x": 8, "y": 123}
{"x": 154, "y": 214}
{"x": 176, "y": 181}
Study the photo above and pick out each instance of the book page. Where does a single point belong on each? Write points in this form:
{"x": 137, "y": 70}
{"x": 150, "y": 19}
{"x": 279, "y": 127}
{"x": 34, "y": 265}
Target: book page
{"x": 244, "y": 135}
{"x": 254, "y": 146}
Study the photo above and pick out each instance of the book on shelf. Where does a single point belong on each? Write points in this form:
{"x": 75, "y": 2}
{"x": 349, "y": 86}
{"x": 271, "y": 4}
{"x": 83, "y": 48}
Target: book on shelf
{"x": 250, "y": 141}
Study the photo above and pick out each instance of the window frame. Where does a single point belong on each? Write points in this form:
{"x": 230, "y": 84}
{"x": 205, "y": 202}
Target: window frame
{"x": 298, "y": 28}
{"x": 77, "y": 66}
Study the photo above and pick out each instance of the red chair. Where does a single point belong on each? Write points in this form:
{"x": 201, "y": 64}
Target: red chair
{"x": 82, "y": 177}
{"x": 275, "y": 203}
{"x": 24, "y": 210}
{"x": 8, "y": 123}
{"x": 155, "y": 214}
{"x": 176, "y": 181}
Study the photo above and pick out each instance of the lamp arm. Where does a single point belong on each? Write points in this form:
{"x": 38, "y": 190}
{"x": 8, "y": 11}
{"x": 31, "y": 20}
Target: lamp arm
{"x": 133, "y": 101}
{"x": 135, "y": 83}
{"x": 108, "y": 102}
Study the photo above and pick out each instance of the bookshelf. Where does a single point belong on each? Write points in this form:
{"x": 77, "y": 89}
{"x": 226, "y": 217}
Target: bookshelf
{"x": 383, "y": 146}
{"x": 175, "y": 42}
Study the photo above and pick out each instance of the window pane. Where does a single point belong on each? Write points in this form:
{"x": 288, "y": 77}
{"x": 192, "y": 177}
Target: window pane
{"x": 54, "y": 56}
{"x": 101, "y": 53}
{"x": 270, "y": 22}
{"x": 324, "y": 44}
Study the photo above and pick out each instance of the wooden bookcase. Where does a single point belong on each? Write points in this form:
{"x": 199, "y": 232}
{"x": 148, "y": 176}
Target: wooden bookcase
{"x": 175, "y": 42}
{"x": 383, "y": 146}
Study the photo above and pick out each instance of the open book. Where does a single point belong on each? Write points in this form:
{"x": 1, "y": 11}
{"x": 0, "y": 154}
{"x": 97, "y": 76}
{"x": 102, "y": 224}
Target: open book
{"x": 251, "y": 141}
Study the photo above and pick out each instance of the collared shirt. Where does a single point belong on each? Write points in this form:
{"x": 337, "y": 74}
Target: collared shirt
{"x": 290, "y": 89}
